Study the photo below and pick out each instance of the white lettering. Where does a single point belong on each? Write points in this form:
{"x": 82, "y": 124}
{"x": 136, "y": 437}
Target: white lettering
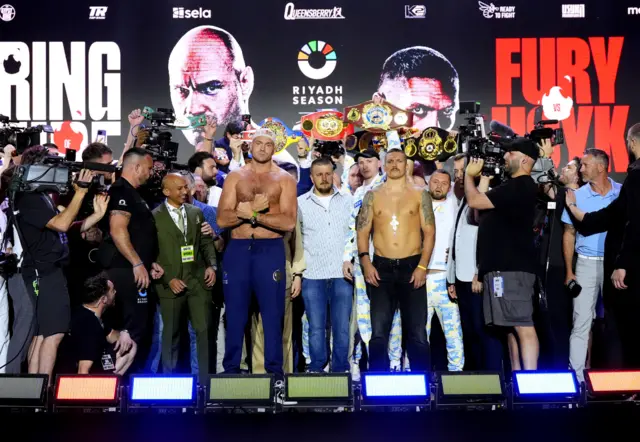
{"x": 73, "y": 80}
{"x": 111, "y": 80}
{"x": 39, "y": 81}
{"x": 296, "y": 90}
{"x": 17, "y": 66}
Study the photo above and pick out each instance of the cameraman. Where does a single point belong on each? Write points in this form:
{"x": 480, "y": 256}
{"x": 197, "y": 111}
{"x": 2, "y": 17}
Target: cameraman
{"x": 42, "y": 230}
{"x": 506, "y": 254}
{"x": 129, "y": 252}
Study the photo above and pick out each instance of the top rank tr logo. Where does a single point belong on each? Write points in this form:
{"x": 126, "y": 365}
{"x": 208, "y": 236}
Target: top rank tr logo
{"x": 98, "y": 12}
{"x": 316, "y": 49}
{"x": 7, "y": 12}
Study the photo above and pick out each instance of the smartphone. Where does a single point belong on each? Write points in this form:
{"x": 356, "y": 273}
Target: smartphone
{"x": 102, "y": 136}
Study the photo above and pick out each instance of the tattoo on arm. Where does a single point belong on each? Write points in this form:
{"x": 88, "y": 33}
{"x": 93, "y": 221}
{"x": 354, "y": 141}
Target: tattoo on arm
{"x": 366, "y": 211}
{"x": 427, "y": 208}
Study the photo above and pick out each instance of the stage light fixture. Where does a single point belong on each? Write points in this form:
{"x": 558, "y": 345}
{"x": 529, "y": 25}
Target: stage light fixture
{"x": 612, "y": 385}
{"x": 23, "y": 391}
{"x": 397, "y": 391}
{"x": 470, "y": 390}
{"x": 240, "y": 392}
{"x": 318, "y": 390}
{"x": 87, "y": 392}
{"x": 176, "y": 392}
{"x": 547, "y": 389}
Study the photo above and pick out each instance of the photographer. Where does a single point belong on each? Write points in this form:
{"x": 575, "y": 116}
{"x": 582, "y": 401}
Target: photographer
{"x": 92, "y": 346}
{"x": 131, "y": 248}
{"x": 42, "y": 231}
{"x": 506, "y": 254}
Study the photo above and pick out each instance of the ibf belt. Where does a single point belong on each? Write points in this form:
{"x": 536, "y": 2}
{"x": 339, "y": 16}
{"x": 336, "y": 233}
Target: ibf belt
{"x": 326, "y": 126}
{"x": 378, "y": 117}
{"x": 434, "y": 144}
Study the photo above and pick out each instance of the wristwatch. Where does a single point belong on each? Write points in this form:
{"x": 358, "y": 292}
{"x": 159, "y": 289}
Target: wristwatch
{"x": 254, "y": 220}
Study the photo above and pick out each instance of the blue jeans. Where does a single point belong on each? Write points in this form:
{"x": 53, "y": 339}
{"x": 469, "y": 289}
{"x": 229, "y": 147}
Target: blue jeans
{"x": 338, "y": 293}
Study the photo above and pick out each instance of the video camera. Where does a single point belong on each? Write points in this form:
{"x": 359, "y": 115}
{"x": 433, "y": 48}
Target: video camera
{"x": 331, "y": 149}
{"x": 21, "y": 138}
{"x": 55, "y": 174}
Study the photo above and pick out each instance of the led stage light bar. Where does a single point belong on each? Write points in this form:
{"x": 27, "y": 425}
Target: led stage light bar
{"x": 163, "y": 391}
{"x": 23, "y": 390}
{"x": 245, "y": 390}
{"x": 547, "y": 388}
{"x": 612, "y": 382}
{"x": 395, "y": 389}
{"x": 319, "y": 389}
{"x": 471, "y": 390}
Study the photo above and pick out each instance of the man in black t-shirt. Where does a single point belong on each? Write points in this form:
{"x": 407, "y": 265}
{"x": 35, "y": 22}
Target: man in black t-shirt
{"x": 506, "y": 252}
{"x": 129, "y": 252}
{"x": 91, "y": 346}
{"x": 42, "y": 232}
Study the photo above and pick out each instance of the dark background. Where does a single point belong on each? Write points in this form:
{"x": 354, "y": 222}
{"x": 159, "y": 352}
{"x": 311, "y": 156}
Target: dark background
{"x": 371, "y": 31}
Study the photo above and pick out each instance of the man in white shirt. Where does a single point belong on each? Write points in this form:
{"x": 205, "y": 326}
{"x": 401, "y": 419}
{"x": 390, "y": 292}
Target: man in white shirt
{"x": 444, "y": 209}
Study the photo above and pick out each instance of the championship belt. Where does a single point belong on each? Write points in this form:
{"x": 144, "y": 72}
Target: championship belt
{"x": 436, "y": 144}
{"x": 366, "y": 139}
{"x": 378, "y": 117}
{"x": 281, "y": 131}
{"x": 326, "y": 126}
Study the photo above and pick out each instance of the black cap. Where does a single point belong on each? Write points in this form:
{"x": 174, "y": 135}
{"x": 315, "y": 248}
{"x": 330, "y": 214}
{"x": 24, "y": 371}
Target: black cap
{"x": 526, "y": 146}
{"x": 369, "y": 153}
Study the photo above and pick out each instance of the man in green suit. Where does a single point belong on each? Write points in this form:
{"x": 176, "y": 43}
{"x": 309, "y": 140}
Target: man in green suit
{"x": 189, "y": 260}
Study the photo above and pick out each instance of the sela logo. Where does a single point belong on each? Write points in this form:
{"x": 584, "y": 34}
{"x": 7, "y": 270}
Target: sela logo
{"x": 7, "y": 12}
{"x": 415, "y": 11}
{"x": 500, "y": 12}
{"x": 98, "y": 12}
{"x": 630, "y": 11}
{"x": 191, "y": 13}
{"x": 291, "y": 13}
{"x": 573, "y": 11}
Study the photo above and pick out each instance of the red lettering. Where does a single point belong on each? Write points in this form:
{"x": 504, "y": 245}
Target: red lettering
{"x": 499, "y": 114}
{"x": 536, "y": 82}
{"x": 506, "y": 69}
{"x": 576, "y": 130}
{"x": 610, "y": 137}
{"x": 573, "y": 60}
{"x": 606, "y": 66}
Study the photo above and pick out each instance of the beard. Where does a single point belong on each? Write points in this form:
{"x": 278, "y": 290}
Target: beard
{"x": 438, "y": 196}
{"x": 211, "y": 182}
{"x": 512, "y": 167}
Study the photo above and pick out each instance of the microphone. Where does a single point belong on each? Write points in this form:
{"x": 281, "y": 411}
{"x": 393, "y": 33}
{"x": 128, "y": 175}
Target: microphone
{"x": 501, "y": 129}
{"x": 545, "y": 122}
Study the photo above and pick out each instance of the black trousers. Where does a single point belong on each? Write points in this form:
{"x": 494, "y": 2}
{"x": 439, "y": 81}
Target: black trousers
{"x": 626, "y": 307}
{"x": 134, "y": 312}
{"x": 554, "y": 324}
{"x": 483, "y": 345}
{"x": 394, "y": 289}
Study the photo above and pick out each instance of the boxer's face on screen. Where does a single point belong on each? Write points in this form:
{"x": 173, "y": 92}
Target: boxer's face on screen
{"x": 202, "y": 80}
{"x": 424, "y": 96}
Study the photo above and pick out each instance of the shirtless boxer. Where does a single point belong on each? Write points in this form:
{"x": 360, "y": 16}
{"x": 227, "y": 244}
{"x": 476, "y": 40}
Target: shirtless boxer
{"x": 259, "y": 205}
{"x": 401, "y": 217}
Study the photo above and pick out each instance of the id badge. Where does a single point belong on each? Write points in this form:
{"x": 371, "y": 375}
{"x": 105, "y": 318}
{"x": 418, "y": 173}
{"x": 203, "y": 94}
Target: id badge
{"x": 107, "y": 363}
{"x": 187, "y": 254}
{"x": 498, "y": 286}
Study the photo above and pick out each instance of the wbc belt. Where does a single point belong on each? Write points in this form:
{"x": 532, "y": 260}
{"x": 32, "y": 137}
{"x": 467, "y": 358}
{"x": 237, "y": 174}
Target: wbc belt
{"x": 378, "y": 117}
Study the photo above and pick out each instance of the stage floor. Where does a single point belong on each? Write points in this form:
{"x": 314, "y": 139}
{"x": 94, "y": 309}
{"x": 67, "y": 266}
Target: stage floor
{"x": 601, "y": 424}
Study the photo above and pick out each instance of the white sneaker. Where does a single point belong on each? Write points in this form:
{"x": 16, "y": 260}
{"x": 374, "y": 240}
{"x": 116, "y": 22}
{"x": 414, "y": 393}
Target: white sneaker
{"x": 280, "y": 394}
{"x": 355, "y": 372}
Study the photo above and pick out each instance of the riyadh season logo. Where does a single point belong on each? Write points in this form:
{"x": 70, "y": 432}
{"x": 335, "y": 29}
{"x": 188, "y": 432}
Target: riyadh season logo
{"x": 317, "y": 49}
{"x": 7, "y": 12}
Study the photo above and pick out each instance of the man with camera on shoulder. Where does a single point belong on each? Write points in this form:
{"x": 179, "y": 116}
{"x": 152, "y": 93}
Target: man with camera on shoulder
{"x": 42, "y": 231}
{"x": 506, "y": 254}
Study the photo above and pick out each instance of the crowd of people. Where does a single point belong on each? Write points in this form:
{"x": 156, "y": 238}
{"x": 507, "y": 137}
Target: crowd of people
{"x": 247, "y": 264}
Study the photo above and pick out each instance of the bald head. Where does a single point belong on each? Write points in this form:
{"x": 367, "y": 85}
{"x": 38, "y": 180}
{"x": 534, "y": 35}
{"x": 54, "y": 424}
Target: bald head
{"x": 208, "y": 75}
{"x": 175, "y": 188}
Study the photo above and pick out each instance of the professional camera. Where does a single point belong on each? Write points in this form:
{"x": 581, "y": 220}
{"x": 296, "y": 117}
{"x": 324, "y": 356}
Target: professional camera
{"x": 331, "y": 149}
{"x": 476, "y": 144}
{"x": 21, "y": 138}
{"x": 55, "y": 174}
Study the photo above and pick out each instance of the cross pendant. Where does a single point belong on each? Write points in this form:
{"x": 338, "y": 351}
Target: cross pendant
{"x": 394, "y": 224}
